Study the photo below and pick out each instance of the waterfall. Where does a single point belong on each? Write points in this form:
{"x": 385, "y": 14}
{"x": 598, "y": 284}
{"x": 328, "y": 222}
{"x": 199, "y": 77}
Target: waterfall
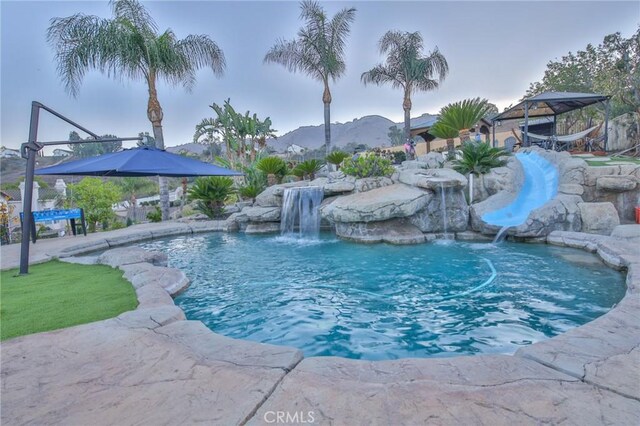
{"x": 301, "y": 208}
{"x": 443, "y": 207}
{"x": 501, "y": 235}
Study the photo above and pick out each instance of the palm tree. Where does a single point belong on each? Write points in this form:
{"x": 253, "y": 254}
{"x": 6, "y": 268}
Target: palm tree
{"x": 458, "y": 117}
{"x": 129, "y": 46}
{"x": 407, "y": 68}
{"x": 318, "y": 51}
{"x": 442, "y": 131}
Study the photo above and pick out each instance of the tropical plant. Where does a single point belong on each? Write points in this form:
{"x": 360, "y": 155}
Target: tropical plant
{"x": 459, "y": 117}
{"x": 479, "y": 158}
{"x": 254, "y": 183}
{"x": 308, "y": 169}
{"x": 442, "y": 131}
{"x": 367, "y": 166}
{"x": 273, "y": 167}
{"x": 129, "y": 46}
{"x": 210, "y": 194}
{"x": 407, "y": 68}
{"x": 318, "y": 51}
{"x": 96, "y": 198}
{"x": 336, "y": 158}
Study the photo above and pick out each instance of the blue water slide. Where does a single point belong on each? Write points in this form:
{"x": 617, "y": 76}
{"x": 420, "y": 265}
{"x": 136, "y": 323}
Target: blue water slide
{"x": 540, "y": 186}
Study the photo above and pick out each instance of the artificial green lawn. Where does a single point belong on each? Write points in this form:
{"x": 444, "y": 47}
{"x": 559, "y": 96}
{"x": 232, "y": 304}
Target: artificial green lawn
{"x": 595, "y": 162}
{"x": 56, "y": 295}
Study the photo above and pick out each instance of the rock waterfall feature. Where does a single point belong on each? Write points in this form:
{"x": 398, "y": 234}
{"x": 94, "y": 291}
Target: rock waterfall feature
{"x": 300, "y": 215}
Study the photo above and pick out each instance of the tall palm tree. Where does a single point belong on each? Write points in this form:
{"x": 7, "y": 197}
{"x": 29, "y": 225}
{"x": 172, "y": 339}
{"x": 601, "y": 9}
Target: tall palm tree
{"x": 407, "y": 68}
{"x": 318, "y": 51}
{"x": 128, "y": 46}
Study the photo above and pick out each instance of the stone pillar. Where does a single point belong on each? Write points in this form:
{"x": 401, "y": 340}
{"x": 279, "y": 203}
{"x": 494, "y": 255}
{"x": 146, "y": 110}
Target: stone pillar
{"x": 36, "y": 196}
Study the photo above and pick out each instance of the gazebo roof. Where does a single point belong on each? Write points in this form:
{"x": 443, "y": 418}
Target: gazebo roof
{"x": 551, "y": 103}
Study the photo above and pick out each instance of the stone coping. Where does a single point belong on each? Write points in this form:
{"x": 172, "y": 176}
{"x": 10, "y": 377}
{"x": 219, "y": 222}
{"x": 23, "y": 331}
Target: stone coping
{"x": 152, "y": 366}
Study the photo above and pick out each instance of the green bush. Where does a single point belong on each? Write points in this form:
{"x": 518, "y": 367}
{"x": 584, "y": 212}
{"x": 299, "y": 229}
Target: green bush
{"x": 367, "y": 166}
{"x": 96, "y": 198}
{"x": 210, "y": 194}
{"x": 479, "y": 157}
{"x": 307, "y": 169}
{"x": 399, "y": 157}
{"x": 155, "y": 215}
{"x": 336, "y": 158}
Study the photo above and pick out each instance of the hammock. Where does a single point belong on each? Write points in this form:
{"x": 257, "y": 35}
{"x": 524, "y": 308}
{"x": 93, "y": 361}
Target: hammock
{"x": 566, "y": 138}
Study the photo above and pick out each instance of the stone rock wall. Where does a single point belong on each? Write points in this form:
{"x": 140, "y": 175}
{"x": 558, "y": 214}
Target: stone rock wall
{"x": 622, "y": 132}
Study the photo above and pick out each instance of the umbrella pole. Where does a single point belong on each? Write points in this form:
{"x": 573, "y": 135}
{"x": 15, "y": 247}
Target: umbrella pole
{"x": 30, "y": 149}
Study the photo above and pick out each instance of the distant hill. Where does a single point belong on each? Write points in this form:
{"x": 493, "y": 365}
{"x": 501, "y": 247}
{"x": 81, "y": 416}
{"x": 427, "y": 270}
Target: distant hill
{"x": 371, "y": 130}
{"x": 189, "y": 148}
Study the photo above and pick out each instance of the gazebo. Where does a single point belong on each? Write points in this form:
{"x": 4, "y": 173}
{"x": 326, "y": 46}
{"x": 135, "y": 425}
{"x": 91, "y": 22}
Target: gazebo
{"x": 551, "y": 104}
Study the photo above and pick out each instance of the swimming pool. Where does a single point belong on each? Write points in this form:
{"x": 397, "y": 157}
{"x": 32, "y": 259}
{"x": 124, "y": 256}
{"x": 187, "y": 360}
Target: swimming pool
{"x": 335, "y": 298}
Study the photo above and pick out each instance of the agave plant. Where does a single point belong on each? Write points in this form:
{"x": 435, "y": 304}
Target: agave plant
{"x": 307, "y": 169}
{"x": 274, "y": 167}
{"x": 461, "y": 116}
{"x": 336, "y": 158}
{"x": 211, "y": 193}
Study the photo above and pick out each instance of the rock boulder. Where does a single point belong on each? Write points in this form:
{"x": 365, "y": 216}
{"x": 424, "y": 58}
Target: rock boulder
{"x": 598, "y": 218}
{"x": 388, "y": 202}
{"x": 433, "y": 179}
{"x": 394, "y": 231}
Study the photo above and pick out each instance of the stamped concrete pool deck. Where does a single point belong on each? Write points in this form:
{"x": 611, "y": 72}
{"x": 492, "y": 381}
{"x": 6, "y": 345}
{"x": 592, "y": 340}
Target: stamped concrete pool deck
{"x": 151, "y": 366}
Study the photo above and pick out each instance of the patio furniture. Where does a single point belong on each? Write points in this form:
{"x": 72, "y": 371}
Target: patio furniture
{"x": 55, "y": 215}
{"x": 561, "y": 143}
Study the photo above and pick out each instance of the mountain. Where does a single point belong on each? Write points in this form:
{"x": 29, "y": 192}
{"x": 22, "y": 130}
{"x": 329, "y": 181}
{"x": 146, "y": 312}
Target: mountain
{"x": 189, "y": 148}
{"x": 371, "y": 130}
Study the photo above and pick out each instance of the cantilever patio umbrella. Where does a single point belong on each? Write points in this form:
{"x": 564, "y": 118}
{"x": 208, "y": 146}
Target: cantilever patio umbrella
{"x": 133, "y": 162}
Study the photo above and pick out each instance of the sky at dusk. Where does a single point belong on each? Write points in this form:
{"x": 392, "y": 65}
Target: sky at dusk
{"x": 494, "y": 50}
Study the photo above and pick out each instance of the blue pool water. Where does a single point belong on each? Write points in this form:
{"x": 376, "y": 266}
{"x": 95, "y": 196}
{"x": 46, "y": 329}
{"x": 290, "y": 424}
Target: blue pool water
{"x": 386, "y": 302}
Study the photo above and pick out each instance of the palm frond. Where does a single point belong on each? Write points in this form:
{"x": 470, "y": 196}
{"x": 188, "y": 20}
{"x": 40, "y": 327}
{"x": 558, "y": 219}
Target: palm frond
{"x": 134, "y": 12}
{"x": 463, "y": 114}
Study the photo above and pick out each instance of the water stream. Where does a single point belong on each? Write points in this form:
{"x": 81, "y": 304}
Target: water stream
{"x": 501, "y": 235}
{"x": 301, "y": 212}
{"x": 443, "y": 206}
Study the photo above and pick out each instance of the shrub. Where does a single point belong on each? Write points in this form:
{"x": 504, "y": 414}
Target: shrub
{"x": 367, "y": 166}
{"x": 210, "y": 194}
{"x": 155, "y": 215}
{"x": 479, "y": 158}
{"x": 336, "y": 158}
{"x": 307, "y": 169}
{"x": 399, "y": 157}
{"x": 254, "y": 183}
{"x": 96, "y": 198}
